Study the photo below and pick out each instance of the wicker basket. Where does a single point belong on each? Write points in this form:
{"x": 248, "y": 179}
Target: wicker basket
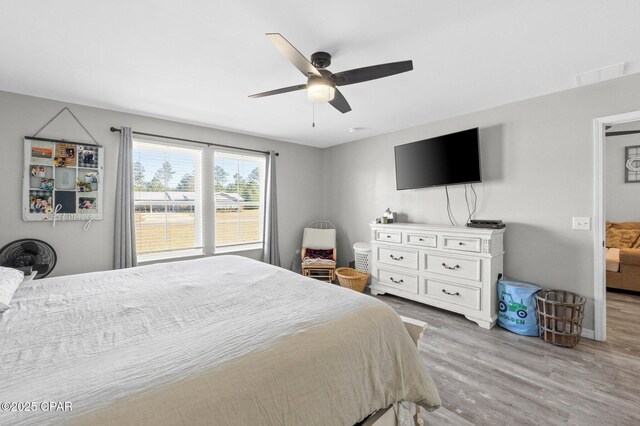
{"x": 352, "y": 278}
{"x": 560, "y": 315}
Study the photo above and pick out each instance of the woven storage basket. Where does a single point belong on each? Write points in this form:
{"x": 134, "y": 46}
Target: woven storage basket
{"x": 560, "y": 315}
{"x": 353, "y": 279}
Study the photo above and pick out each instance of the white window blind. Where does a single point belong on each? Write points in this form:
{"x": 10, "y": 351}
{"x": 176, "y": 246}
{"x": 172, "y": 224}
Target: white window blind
{"x": 168, "y": 200}
{"x": 239, "y": 198}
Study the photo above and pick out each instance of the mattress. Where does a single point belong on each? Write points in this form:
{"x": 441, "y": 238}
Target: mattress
{"x": 222, "y": 340}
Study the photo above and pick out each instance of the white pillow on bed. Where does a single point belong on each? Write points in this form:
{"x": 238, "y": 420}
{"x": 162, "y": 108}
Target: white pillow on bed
{"x": 9, "y": 280}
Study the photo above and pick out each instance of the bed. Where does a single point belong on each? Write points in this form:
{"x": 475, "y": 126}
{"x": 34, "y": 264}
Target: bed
{"x": 220, "y": 340}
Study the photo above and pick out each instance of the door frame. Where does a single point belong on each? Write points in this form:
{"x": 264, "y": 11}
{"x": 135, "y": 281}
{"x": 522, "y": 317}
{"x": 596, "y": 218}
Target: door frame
{"x": 599, "y": 236}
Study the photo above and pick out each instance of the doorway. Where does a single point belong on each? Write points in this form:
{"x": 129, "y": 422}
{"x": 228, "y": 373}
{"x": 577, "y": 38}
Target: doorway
{"x": 602, "y": 126}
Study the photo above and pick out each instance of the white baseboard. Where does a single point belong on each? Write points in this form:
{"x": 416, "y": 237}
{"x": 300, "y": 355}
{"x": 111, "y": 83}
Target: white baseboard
{"x": 588, "y": 334}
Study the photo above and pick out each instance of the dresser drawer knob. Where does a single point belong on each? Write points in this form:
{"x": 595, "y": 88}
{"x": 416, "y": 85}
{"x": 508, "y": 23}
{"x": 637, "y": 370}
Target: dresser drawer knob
{"x": 396, "y": 258}
{"x": 449, "y": 293}
{"x": 453, "y": 268}
{"x": 460, "y": 243}
{"x": 420, "y": 239}
{"x": 388, "y": 236}
{"x": 400, "y": 281}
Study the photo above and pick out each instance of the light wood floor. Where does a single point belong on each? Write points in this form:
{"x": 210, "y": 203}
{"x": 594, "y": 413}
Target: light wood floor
{"x": 494, "y": 377}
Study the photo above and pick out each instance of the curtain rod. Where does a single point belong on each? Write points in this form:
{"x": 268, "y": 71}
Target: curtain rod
{"x": 33, "y": 138}
{"x": 114, "y": 129}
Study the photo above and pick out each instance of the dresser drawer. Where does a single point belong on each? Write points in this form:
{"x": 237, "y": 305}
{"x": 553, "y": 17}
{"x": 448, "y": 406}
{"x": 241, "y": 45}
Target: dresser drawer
{"x": 402, "y": 281}
{"x": 469, "y": 297}
{"x": 423, "y": 240}
{"x": 396, "y": 257}
{"x": 453, "y": 266}
{"x": 462, "y": 243}
{"x": 389, "y": 236}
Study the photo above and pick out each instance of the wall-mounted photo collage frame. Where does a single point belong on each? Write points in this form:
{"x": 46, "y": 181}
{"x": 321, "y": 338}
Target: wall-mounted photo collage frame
{"x": 62, "y": 179}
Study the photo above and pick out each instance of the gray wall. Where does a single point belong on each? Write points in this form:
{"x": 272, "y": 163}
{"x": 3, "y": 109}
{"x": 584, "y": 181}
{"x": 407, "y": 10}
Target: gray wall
{"x": 537, "y": 162}
{"x": 622, "y": 199}
{"x": 80, "y": 251}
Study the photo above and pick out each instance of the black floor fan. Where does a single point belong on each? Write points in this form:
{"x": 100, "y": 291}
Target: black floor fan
{"x": 29, "y": 255}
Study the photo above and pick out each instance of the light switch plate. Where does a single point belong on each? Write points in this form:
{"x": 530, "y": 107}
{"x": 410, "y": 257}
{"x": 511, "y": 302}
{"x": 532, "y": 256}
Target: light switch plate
{"x": 582, "y": 223}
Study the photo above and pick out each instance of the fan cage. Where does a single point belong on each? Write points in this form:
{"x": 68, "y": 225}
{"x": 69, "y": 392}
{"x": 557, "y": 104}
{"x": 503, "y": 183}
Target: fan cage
{"x": 43, "y": 262}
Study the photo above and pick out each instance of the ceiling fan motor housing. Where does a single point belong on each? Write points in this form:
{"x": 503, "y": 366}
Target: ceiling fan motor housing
{"x": 321, "y": 59}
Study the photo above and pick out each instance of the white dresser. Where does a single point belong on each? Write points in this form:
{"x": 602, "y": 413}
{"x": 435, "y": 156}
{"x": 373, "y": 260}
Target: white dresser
{"x": 453, "y": 268}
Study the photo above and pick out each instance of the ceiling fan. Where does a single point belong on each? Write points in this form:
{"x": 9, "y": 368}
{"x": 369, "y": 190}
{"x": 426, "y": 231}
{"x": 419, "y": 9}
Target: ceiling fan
{"x": 322, "y": 84}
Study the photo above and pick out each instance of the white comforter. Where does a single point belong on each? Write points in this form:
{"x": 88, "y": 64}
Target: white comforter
{"x": 222, "y": 340}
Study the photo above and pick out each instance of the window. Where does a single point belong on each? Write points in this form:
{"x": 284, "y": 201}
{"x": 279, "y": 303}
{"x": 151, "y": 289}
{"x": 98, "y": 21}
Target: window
{"x": 177, "y": 214}
{"x": 168, "y": 207}
{"x": 239, "y": 198}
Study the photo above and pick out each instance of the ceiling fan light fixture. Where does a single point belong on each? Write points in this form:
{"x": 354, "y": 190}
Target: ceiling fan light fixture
{"x": 321, "y": 91}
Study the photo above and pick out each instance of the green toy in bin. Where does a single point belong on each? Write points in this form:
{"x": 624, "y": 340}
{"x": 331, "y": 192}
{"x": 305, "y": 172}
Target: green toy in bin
{"x": 517, "y": 306}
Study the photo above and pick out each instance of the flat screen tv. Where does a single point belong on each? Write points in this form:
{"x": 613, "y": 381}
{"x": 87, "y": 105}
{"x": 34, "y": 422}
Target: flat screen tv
{"x": 445, "y": 160}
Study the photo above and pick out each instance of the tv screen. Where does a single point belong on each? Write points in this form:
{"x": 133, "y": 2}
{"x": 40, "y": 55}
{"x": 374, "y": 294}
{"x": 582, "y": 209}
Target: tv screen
{"x": 444, "y": 160}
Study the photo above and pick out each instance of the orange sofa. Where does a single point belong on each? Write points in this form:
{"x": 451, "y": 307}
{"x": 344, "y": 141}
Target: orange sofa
{"x": 623, "y": 255}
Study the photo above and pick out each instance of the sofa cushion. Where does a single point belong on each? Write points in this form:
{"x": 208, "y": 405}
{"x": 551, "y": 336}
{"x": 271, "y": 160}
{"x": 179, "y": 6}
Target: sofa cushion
{"x": 622, "y": 238}
{"x": 623, "y": 225}
{"x": 630, "y": 257}
{"x": 613, "y": 259}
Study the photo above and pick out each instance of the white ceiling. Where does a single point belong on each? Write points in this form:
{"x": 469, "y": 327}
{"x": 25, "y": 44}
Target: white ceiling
{"x": 197, "y": 61}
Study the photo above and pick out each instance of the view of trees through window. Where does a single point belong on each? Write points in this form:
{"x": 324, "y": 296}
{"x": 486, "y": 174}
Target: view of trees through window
{"x": 162, "y": 179}
{"x": 238, "y": 183}
{"x": 248, "y": 187}
{"x": 169, "y": 204}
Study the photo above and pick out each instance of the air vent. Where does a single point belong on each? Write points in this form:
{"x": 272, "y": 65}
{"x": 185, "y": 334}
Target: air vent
{"x": 601, "y": 74}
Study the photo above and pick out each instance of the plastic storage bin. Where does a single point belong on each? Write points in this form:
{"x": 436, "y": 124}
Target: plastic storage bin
{"x": 517, "y": 306}
{"x": 362, "y": 253}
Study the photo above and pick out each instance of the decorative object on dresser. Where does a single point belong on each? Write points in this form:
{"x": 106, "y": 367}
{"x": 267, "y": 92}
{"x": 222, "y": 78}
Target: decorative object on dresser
{"x": 451, "y": 267}
{"x": 389, "y": 216}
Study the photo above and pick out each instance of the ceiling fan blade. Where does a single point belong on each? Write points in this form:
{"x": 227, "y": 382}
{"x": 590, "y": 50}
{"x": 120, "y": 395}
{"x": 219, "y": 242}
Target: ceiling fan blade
{"x": 359, "y": 75}
{"x": 278, "y": 91}
{"x": 622, "y": 133}
{"x": 340, "y": 103}
{"x": 293, "y": 55}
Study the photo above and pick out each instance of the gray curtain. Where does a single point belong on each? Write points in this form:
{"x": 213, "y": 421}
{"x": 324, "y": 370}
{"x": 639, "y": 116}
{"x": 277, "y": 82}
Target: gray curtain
{"x": 125, "y": 241}
{"x": 271, "y": 252}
